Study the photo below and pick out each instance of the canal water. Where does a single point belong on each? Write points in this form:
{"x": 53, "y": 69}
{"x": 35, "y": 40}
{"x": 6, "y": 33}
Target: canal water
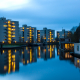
{"x": 38, "y": 63}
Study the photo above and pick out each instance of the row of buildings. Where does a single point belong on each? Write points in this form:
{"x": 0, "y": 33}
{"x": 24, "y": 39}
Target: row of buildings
{"x": 10, "y": 32}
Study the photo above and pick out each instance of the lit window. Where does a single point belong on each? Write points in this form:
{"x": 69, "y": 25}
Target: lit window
{"x": 5, "y": 67}
{"x": 3, "y": 51}
{"x": 9, "y": 32}
{"x": 9, "y": 38}
{"x": 13, "y": 23}
{"x": 13, "y": 26}
{"x": 5, "y": 25}
{"x": 8, "y": 21}
{"x": 9, "y": 28}
{"x": 2, "y": 41}
{"x": 13, "y": 29}
{"x": 13, "y": 35}
{"x": 13, "y": 32}
{"x": 9, "y": 35}
{"x": 13, "y": 56}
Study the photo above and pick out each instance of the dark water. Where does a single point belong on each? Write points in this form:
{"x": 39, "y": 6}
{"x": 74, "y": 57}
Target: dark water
{"x": 38, "y": 63}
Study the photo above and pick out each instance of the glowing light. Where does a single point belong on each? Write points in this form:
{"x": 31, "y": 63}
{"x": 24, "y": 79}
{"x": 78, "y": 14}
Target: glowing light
{"x": 9, "y": 61}
{"x": 5, "y": 25}
{"x": 3, "y": 51}
{"x": 27, "y": 61}
{"x": 5, "y": 67}
{"x": 13, "y": 56}
{"x": 77, "y": 61}
{"x": 30, "y": 55}
{"x": 15, "y": 50}
{"x": 2, "y": 41}
{"x": 15, "y": 41}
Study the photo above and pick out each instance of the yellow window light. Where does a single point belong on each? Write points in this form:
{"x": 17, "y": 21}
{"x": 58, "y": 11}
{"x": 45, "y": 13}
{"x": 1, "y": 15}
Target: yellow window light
{"x": 9, "y": 22}
{"x": 13, "y": 32}
{"x": 13, "y": 35}
{"x": 13, "y": 23}
{"x": 9, "y": 25}
{"x": 9, "y": 28}
{"x": 30, "y": 30}
{"x": 15, "y": 50}
{"x": 22, "y": 52}
{"x": 22, "y": 37}
{"x": 3, "y": 51}
{"x": 4, "y": 25}
{"x": 9, "y": 35}
{"x": 38, "y": 30}
{"x": 13, "y": 29}
{"x": 26, "y": 41}
{"x": 13, "y": 56}
{"x": 5, "y": 67}
{"x": 15, "y": 41}
{"x": 2, "y": 41}
{"x": 13, "y": 26}
{"x": 27, "y": 61}
{"x": 9, "y": 38}
{"x": 9, "y": 32}
{"x": 23, "y": 27}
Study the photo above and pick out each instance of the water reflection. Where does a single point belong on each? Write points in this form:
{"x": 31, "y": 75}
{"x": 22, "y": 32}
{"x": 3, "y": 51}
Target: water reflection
{"x": 46, "y": 52}
{"x": 10, "y": 58}
{"x": 28, "y": 55}
{"x": 9, "y": 61}
{"x": 77, "y": 62}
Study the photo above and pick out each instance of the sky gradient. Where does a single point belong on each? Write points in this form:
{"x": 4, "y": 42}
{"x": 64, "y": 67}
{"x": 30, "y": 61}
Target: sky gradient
{"x": 53, "y": 14}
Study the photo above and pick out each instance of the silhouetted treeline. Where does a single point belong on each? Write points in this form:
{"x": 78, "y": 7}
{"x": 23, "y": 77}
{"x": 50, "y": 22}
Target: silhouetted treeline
{"x": 76, "y": 36}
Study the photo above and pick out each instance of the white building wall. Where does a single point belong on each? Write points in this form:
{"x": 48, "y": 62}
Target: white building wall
{"x": 76, "y": 46}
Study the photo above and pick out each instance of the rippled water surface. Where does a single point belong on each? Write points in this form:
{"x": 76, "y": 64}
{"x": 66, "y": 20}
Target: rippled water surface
{"x": 38, "y": 63}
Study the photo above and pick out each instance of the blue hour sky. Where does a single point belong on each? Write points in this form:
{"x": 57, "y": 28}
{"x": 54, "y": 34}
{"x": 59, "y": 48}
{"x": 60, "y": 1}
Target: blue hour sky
{"x": 53, "y": 14}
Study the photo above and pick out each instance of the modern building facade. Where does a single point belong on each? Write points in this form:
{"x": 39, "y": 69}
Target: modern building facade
{"x": 9, "y": 31}
{"x": 63, "y": 34}
{"x": 45, "y": 35}
{"x": 28, "y": 34}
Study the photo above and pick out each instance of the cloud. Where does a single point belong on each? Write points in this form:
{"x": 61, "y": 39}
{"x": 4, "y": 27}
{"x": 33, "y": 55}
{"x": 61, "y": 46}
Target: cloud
{"x": 54, "y": 14}
{"x": 12, "y": 4}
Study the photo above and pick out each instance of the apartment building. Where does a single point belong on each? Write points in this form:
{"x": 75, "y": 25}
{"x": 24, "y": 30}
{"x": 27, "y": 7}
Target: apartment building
{"x": 63, "y": 34}
{"x": 45, "y": 35}
{"x": 28, "y": 34}
{"x": 9, "y": 31}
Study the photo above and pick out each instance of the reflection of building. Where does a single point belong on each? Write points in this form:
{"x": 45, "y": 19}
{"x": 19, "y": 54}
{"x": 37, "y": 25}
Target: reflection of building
{"x": 77, "y": 62}
{"x": 45, "y": 35}
{"x": 63, "y": 34}
{"x": 28, "y": 34}
{"x": 46, "y": 52}
{"x": 58, "y": 52}
{"x": 9, "y": 61}
{"x": 28, "y": 55}
{"x": 67, "y": 46}
{"x": 65, "y": 55}
{"x": 9, "y": 31}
